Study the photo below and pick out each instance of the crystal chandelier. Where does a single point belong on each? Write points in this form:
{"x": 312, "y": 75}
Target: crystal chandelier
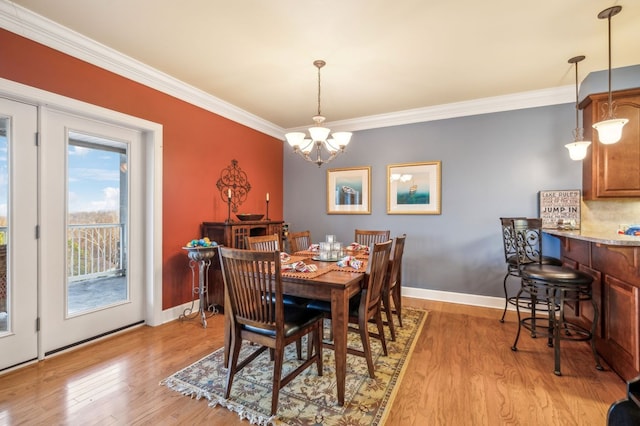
{"x": 578, "y": 148}
{"x": 610, "y": 130}
{"x": 311, "y": 149}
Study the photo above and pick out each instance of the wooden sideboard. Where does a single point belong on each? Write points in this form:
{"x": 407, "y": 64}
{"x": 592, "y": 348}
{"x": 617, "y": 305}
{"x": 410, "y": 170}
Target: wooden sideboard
{"x": 232, "y": 234}
{"x": 616, "y": 288}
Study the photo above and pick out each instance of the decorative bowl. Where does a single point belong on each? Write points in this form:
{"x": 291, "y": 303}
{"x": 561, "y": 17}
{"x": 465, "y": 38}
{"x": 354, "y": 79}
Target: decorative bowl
{"x": 249, "y": 216}
{"x": 201, "y": 253}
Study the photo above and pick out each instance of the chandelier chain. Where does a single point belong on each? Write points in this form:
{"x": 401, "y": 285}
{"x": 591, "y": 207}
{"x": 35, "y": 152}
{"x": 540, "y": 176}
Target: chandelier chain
{"x": 319, "y": 65}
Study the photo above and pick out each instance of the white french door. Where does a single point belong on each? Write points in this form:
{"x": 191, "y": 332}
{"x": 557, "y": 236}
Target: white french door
{"x": 18, "y": 243}
{"x": 65, "y": 259}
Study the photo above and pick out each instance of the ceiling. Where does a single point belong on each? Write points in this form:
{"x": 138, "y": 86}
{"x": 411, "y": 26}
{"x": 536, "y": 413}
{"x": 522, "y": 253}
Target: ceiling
{"x": 382, "y": 56}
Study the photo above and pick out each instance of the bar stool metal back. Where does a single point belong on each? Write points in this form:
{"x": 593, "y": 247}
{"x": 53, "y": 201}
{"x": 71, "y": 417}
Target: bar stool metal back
{"x": 552, "y": 286}
{"x": 510, "y": 258}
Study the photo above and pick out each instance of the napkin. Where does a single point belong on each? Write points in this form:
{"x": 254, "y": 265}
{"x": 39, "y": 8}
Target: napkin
{"x": 358, "y": 247}
{"x": 349, "y": 261}
{"x": 314, "y": 247}
{"x": 284, "y": 257}
{"x": 298, "y": 267}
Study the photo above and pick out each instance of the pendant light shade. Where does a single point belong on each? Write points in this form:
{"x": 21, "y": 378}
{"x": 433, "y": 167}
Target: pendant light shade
{"x": 578, "y": 148}
{"x": 610, "y": 130}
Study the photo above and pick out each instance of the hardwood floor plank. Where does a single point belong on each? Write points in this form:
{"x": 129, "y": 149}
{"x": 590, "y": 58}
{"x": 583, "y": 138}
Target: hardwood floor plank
{"x": 462, "y": 372}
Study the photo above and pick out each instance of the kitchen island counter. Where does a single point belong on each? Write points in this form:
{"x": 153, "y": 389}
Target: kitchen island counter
{"x": 607, "y": 237}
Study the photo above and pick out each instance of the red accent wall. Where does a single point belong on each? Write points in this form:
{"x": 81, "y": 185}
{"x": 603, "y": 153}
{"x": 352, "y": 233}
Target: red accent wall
{"x": 197, "y": 145}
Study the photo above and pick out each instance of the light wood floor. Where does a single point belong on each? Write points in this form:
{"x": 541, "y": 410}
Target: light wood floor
{"x": 462, "y": 372}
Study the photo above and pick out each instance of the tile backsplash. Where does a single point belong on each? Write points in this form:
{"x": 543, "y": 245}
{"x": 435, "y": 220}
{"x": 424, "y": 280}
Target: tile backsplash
{"x": 602, "y": 215}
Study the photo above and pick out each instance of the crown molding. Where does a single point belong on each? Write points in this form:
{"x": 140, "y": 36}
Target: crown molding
{"x": 523, "y": 100}
{"x": 35, "y": 27}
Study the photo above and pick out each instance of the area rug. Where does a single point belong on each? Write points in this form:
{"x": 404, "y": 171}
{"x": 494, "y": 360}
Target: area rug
{"x": 309, "y": 399}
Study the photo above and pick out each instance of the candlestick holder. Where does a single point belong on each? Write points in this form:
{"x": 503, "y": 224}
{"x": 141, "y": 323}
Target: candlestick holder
{"x": 267, "y": 215}
{"x": 228, "y": 210}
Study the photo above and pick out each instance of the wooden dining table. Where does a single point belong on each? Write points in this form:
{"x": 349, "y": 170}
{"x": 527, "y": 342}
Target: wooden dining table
{"x": 330, "y": 284}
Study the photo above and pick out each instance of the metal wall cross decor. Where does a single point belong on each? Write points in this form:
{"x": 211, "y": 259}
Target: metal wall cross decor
{"x": 233, "y": 179}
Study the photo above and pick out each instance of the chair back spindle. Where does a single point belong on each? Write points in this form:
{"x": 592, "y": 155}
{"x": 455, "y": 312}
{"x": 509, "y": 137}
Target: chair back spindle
{"x": 263, "y": 243}
{"x": 299, "y": 241}
{"x": 370, "y": 237}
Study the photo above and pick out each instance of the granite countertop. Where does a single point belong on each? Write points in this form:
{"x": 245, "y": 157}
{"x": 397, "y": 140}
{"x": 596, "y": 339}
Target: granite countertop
{"x": 603, "y": 237}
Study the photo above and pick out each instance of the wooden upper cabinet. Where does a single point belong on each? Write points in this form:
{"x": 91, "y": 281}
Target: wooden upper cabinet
{"x": 612, "y": 171}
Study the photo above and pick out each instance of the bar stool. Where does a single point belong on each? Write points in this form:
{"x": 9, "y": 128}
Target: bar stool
{"x": 510, "y": 258}
{"x": 551, "y": 286}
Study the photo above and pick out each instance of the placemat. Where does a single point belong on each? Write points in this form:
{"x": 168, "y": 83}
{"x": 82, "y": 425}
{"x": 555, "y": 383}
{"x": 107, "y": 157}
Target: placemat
{"x": 307, "y": 275}
{"x": 362, "y": 268}
{"x": 306, "y": 253}
{"x": 294, "y": 259}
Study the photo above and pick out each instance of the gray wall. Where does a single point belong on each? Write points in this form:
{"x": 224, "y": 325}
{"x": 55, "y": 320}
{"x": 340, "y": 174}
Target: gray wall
{"x": 493, "y": 165}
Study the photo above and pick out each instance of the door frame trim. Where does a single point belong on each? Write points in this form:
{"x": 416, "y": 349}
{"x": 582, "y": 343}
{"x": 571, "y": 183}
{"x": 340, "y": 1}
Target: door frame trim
{"x": 152, "y": 137}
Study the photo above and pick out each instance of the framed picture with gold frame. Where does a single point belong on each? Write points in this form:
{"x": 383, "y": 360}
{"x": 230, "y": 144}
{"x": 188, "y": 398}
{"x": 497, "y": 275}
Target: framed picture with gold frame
{"x": 414, "y": 188}
{"x": 349, "y": 190}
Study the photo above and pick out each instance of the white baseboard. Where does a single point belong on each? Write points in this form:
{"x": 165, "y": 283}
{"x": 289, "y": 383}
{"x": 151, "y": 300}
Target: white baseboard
{"x": 173, "y": 313}
{"x": 452, "y": 297}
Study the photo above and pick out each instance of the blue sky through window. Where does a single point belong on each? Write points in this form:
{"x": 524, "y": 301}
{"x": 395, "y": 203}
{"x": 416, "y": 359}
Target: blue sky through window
{"x": 94, "y": 179}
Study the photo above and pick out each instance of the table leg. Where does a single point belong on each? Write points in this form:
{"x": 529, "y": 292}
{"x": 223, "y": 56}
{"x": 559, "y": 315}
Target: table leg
{"x": 340, "y": 323}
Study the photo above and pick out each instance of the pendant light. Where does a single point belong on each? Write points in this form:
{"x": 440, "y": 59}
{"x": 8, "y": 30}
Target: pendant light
{"x": 610, "y": 130}
{"x": 578, "y": 148}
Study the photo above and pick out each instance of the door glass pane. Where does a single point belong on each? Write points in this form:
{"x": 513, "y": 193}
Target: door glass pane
{"x": 4, "y": 204}
{"x": 97, "y": 203}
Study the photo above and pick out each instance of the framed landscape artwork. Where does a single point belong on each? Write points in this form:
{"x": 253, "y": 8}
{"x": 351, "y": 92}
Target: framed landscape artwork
{"x": 414, "y": 188}
{"x": 349, "y": 191}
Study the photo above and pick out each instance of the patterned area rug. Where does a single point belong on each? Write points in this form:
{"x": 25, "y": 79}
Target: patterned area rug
{"x": 308, "y": 399}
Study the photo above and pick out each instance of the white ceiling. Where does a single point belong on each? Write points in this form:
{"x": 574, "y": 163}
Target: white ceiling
{"x": 382, "y": 56}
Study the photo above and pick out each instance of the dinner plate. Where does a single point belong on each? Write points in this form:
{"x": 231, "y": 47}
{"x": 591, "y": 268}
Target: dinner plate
{"x": 324, "y": 260}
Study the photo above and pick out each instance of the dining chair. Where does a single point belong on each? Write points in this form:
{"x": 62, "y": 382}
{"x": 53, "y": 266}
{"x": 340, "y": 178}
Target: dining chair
{"x": 510, "y": 258}
{"x": 263, "y": 242}
{"x": 391, "y": 288}
{"x": 248, "y": 276}
{"x": 368, "y": 237}
{"x": 272, "y": 243}
{"x": 366, "y": 305}
{"x": 299, "y": 241}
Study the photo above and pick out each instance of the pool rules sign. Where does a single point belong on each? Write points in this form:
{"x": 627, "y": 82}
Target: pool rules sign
{"x": 560, "y": 209}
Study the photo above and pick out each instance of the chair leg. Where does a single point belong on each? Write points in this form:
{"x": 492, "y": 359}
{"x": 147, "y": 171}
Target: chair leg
{"x": 557, "y": 324}
{"x": 386, "y": 301}
{"x": 277, "y": 378}
{"x": 506, "y": 296}
{"x": 396, "y": 293}
{"x": 514, "y": 347}
{"x": 366, "y": 345}
{"x": 383, "y": 339}
{"x": 299, "y": 348}
{"x": 316, "y": 337}
{"x": 236, "y": 342}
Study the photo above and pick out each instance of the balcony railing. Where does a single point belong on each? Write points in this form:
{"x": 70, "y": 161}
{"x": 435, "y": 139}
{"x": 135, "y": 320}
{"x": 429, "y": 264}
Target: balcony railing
{"x": 92, "y": 251}
{"x": 95, "y": 251}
